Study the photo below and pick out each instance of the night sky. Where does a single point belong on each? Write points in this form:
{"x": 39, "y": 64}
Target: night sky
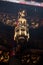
{"x": 13, "y": 8}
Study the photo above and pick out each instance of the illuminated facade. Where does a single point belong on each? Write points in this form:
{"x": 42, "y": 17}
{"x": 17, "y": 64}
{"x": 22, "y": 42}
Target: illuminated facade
{"x": 21, "y": 30}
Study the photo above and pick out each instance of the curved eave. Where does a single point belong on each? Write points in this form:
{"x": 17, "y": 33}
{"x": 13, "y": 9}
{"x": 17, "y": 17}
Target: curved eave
{"x": 33, "y": 3}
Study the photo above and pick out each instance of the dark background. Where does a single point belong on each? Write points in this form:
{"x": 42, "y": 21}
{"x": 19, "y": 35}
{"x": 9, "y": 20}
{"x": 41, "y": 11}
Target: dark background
{"x": 36, "y": 35}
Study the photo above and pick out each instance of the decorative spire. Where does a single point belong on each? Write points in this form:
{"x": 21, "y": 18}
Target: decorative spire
{"x": 22, "y": 13}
